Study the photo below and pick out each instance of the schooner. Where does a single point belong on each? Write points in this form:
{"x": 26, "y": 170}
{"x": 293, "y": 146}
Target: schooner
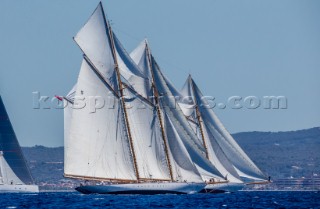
{"x": 135, "y": 143}
{"x": 142, "y": 139}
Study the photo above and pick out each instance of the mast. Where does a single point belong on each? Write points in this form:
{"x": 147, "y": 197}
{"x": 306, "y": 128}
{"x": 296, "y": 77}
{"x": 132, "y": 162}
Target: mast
{"x": 156, "y": 97}
{"x": 199, "y": 118}
{"x": 120, "y": 86}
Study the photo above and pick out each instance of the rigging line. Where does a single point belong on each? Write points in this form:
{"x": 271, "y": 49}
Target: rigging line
{"x": 137, "y": 94}
{"x": 192, "y": 121}
{"x": 68, "y": 100}
{"x": 126, "y": 33}
{"x": 101, "y": 77}
{"x": 139, "y": 39}
{"x": 93, "y": 67}
{"x": 176, "y": 67}
{"x": 199, "y": 147}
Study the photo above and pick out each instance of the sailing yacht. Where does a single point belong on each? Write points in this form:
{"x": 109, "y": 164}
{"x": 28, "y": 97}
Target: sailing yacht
{"x": 133, "y": 143}
{"x": 15, "y": 175}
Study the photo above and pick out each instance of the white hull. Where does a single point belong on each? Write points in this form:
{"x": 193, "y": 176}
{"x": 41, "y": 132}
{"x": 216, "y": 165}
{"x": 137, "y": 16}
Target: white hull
{"x": 143, "y": 188}
{"x": 8, "y": 188}
{"x": 223, "y": 187}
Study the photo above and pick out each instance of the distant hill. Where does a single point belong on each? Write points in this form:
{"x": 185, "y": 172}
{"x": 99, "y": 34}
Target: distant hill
{"x": 279, "y": 154}
{"x": 283, "y": 154}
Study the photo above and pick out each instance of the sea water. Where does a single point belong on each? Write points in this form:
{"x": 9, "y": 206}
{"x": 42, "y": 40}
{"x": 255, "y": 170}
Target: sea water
{"x": 229, "y": 200}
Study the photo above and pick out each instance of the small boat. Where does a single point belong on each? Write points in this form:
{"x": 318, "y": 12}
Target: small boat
{"x": 15, "y": 175}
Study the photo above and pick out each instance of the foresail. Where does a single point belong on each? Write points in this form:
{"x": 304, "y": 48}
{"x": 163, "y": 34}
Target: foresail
{"x": 208, "y": 136}
{"x": 229, "y": 146}
{"x": 247, "y": 178}
{"x": 97, "y": 145}
{"x": 218, "y": 157}
{"x": 182, "y": 166}
{"x": 11, "y": 149}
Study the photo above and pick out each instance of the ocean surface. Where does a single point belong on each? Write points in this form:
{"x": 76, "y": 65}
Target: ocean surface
{"x": 230, "y": 200}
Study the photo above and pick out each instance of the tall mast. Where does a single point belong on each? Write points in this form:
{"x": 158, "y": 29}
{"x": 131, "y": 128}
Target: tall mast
{"x": 199, "y": 117}
{"x": 156, "y": 97}
{"x": 120, "y": 86}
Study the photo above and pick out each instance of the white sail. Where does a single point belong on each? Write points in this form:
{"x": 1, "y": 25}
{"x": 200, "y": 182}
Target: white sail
{"x": 218, "y": 157}
{"x": 183, "y": 168}
{"x": 93, "y": 39}
{"x": 147, "y": 138}
{"x": 190, "y": 140}
{"x": 139, "y": 55}
{"x": 7, "y": 176}
{"x": 130, "y": 72}
{"x": 228, "y": 145}
{"x": 215, "y": 153}
{"x": 97, "y": 144}
{"x": 67, "y": 119}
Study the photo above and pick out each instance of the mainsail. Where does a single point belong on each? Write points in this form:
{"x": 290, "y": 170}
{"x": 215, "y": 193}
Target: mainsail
{"x": 13, "y": 164}
{"x": 223, "y": 150}
{"x": 97, "y": 145}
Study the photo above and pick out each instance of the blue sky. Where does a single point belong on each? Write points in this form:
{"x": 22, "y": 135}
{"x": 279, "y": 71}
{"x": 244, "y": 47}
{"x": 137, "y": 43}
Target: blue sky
{"x": 242, "y": 48}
